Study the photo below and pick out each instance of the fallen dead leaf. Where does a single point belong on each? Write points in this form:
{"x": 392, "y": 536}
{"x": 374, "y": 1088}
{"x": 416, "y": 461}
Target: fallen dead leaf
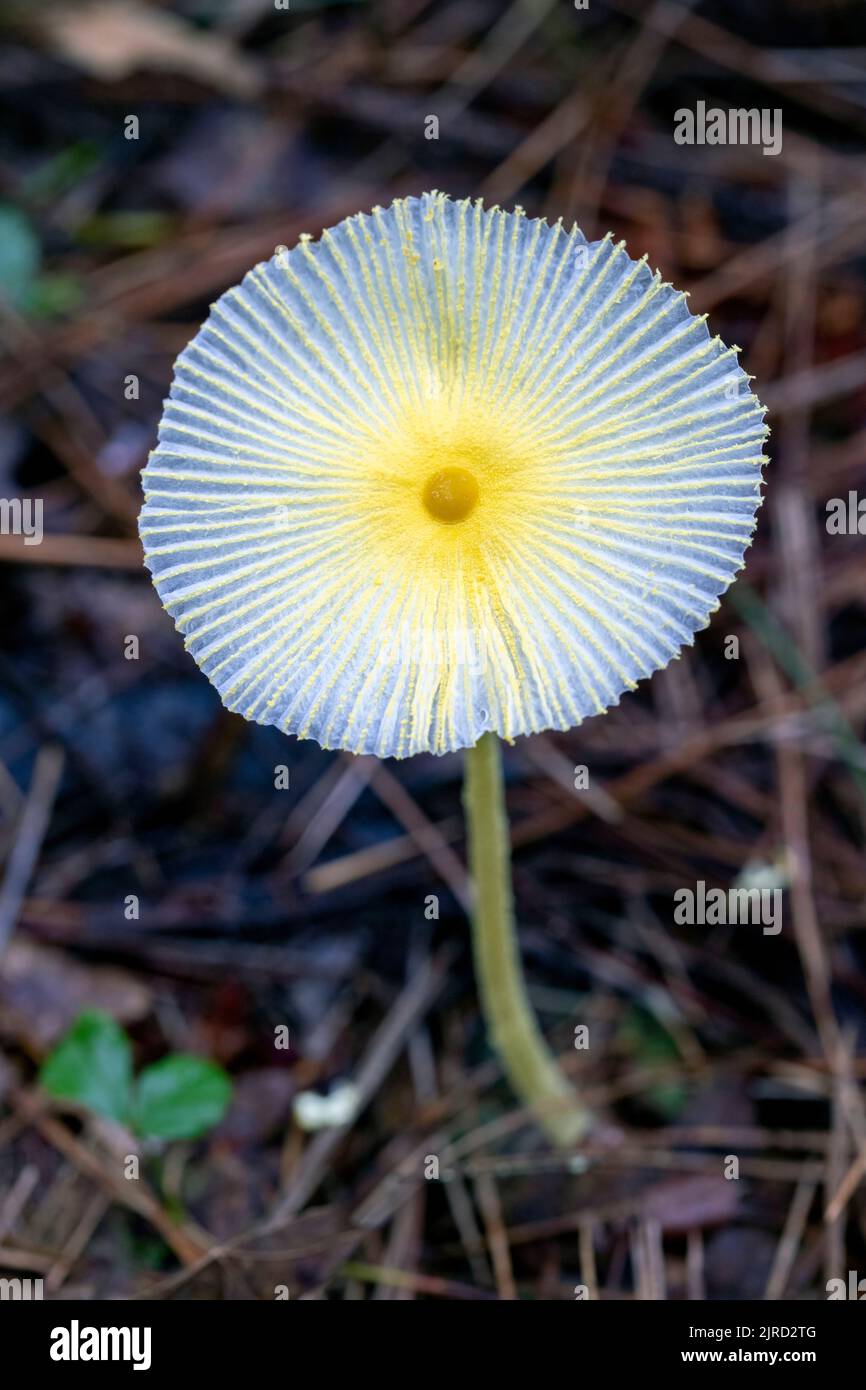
{"x": 113, "y": 40}
{"x": 43, "y": 989}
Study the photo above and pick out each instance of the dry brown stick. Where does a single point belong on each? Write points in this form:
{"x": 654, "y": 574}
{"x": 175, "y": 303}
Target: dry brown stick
{"x": 63, "y": 438}
{"x": 77, "y": 1243}
{"x": 783, "y": 1170}
{"x": 463, "y": 1214}
{"x": 693, "y": 1137}
{"x": 353, "y": 776}
{"x": 790, "y": 1239}
{"x": 747, "y": 1137}
{"x": 498, "y": 46}
{"x": 98, "y": 552}
{"x": 586, "y": 1250}
{"x": 309, "y": 805}
{"x": 403, "y": 1244}
{"x": 420, "y": 1283}
{"x": 839, "y": 1186}
{"x": 695, "y": 1281}
{"x": 374, "y": 859}
{"x": 810, "y": 386}
{"x": 847, "y": 1103}
{"x": 793, "y": 508}
{"x": 846, "y": 1189}
{"x": 833, "y": 461}
{"x": 559, "y": 128}
{"x": 490, "y": 1207}
{"x": 17, "y": 1198}
{"x": 29, "y": 834}
{"x": 379, "y": 1205}
{"x": 650, "y": 1237}
{"x": 25, "y": 1259}
{"x": 543, "y": 753}
{"x": 425, "y": 834}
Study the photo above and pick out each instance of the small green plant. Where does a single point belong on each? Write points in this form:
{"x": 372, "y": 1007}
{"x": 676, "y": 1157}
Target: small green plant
{"x": 646, "y": 1039}
{"x": 23, "y": 284}
{"x": 179, "y": 1097}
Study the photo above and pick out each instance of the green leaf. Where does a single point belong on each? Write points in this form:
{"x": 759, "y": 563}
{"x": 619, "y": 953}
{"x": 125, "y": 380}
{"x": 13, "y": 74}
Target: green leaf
{"x": 50, "y": 295}
{"x": 129, "y": 229}
{"x": 181, "y": 1097}
{"x": 20, "y": 255}
{"x": 646, "y": 1038}
{"x": 60, "y": 172}
{"x": 92, "y": 1065}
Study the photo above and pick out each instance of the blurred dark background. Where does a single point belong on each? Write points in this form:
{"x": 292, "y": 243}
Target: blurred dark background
{"x": 151, "y": 868}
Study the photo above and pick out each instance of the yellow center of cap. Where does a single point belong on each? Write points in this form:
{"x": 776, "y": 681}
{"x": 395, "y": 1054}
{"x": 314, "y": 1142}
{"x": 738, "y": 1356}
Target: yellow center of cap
{"x": 450, "y": 494}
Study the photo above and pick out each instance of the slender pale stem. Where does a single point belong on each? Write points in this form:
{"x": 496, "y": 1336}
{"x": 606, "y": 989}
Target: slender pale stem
{"x": 528, "y": 1062}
